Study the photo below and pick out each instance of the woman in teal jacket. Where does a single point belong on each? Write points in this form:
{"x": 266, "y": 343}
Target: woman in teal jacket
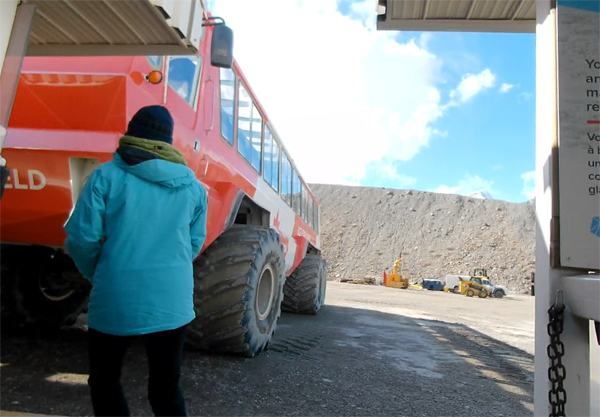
{"x": 136, "y": 228}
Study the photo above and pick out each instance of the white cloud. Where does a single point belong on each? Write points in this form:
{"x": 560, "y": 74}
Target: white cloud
{"x": 393, "y": 179}
{"x": 529, "y": 184}
{"x": 473, "y": 84}
{"x": 424, "y": 39}
{"x": 505, "y": 88}
{"x": 339, "y": 93}
{"x": 526, "y": 96}
{"x": 467, "y": 186}
{"x": 365, "y": 12}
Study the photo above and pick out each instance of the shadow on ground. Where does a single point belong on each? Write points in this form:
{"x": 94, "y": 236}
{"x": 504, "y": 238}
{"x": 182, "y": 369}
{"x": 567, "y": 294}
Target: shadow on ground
{"x": 343, "y": 362}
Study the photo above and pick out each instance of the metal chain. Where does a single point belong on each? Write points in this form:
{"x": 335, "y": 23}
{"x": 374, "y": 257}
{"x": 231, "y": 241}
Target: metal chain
{"x": 556, "y": 350}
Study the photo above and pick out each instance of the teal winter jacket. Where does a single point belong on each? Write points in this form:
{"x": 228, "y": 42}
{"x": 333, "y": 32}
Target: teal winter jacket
{"x": 134, "y": 233}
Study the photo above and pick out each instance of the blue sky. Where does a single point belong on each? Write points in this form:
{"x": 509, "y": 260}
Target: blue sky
{"x": 440, "y": 112}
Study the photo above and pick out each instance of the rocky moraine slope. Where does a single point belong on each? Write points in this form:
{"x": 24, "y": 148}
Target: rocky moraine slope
{"x": 365, "y": 229}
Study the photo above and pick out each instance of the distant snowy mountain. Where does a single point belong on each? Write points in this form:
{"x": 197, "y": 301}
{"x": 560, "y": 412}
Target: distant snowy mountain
{"x": 483, "y": 194}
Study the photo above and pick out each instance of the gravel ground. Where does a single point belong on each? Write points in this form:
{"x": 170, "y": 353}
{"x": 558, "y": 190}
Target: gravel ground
{"x": 371, "y": 351}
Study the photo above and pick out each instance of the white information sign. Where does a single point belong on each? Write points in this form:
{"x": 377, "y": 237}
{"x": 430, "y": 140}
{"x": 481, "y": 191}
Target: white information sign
{"x": 579, "y": 132}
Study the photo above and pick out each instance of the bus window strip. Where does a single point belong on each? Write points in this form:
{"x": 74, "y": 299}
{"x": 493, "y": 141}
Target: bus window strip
{"x": 287, "y": 196}
{"x": 199, "y": 71}
{"x": 167, "y": 66}
{"x": 252, "y": 106}
{"x": 310, "y": 216}
{"x": 274, "y": 143}
{"x": 296, "y": 192}
{"x": 268, "y": 158}
{"x": 233, "y": 106}
{"x": 283, "y": 151}
{"x": 304, "y": 203}
{"x": 311, "y": 212}
{"x": 250, "y": 146}
{"x": 256, "y": 145}
{"x": 237, "y": 81}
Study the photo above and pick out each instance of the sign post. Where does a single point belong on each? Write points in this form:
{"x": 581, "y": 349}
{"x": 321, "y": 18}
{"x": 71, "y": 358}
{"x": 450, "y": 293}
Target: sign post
{"x": 578, "y": 30}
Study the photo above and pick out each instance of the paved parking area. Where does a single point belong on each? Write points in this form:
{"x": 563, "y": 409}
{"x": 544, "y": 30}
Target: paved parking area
{"x": 371, "y": 351}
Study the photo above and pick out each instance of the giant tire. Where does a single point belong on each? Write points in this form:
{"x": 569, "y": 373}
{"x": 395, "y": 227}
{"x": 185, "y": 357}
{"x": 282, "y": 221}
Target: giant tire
{"x": 40, "y": 288}
{"x": 304, "y": 290}
{"x": 238, "y": 291}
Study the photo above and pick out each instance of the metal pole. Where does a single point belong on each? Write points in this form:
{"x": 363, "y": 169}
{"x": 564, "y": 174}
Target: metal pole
{"x": 548, "y": 275}
{"x": 15, "y": 52}
{"x": 546, "y": 134}
{"x": 16, "y": 23}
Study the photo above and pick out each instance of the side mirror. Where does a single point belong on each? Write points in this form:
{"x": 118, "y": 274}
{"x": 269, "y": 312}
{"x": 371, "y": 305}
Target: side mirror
{"x": 221, "y": 47}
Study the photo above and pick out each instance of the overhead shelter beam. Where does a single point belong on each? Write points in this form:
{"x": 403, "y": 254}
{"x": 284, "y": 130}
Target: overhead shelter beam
{"x": 516, "y": 16}
{"x": 108, "y": 27}
{"x": 517, "y": 10}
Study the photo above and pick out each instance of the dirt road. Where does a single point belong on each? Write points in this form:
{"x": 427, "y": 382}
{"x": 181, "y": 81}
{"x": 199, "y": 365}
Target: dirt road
{"x": 371, "y": 351}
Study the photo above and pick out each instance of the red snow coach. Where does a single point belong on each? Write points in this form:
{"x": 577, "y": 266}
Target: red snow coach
{"x": 262, "y": 251}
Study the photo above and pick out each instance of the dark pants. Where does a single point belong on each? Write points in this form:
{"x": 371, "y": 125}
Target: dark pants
{"x": 164, "y": 350}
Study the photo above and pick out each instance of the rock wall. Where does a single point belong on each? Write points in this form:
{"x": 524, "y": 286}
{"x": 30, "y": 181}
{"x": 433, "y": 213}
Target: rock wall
{"x": 365, "y": 229}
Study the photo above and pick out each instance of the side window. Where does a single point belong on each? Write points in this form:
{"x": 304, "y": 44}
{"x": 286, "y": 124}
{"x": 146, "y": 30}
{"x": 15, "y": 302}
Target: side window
{"x": 227, "y": 86}
{"x": 271, "y": 159}
{"x": 316, "y": 219}
{"x": 155, "y": 62}
{"x": 249, "y": 129}
{"x": 286, "y": 178}
{"x": 304, "y": 203}
{"x": 311, "y": 209}
{"x": 184, "y": 75}
{"x": 256, "y": 149}
{"x": 296, "y": 193}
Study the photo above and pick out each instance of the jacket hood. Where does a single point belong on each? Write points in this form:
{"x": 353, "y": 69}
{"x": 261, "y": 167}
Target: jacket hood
{"x": 158, "y": 171}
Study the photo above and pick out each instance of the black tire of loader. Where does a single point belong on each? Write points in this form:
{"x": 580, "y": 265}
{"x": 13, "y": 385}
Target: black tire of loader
{"x": 23, "y": 303}
{"x": 304, "y": 290}
{"x": 226, "y": 286}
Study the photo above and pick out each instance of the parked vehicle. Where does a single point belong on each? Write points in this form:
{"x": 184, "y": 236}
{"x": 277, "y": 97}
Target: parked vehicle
{"x": 395, "y": 278}
{"x": 262, "y": 250}
{"x": 467, "y": 285}
{"x": 496, "y": 291}
{"x": 433, "y": 284}
{"x": 453, "y": 282}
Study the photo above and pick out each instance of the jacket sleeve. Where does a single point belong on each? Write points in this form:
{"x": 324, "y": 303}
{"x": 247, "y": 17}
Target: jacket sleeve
{"x": 85, "y": 227}
{"x": 198, "y": 225}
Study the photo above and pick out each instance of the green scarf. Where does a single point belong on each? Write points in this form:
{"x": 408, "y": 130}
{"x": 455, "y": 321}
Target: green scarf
{"x": 156, "y": 147}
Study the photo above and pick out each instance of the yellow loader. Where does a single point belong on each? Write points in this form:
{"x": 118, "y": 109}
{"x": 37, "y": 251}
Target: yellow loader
{"x": 473, "y": 288}
{"x": 395, "y": 278}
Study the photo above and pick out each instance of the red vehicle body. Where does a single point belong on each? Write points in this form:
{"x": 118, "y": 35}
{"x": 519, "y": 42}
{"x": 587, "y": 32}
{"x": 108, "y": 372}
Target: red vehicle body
{"x": 68, "y": 116}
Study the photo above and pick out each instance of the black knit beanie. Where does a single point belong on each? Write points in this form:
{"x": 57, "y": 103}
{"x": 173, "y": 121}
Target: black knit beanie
{"x": 152, "y": 122}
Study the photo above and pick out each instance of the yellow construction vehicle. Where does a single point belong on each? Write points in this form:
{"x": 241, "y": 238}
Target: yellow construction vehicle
{"x": 395, "y": 278}
{"x": 496, "y": 291}
{"x": 480, "y": 273}
{"x": 474, "y": 287}
{"x": 468, "y": 285}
